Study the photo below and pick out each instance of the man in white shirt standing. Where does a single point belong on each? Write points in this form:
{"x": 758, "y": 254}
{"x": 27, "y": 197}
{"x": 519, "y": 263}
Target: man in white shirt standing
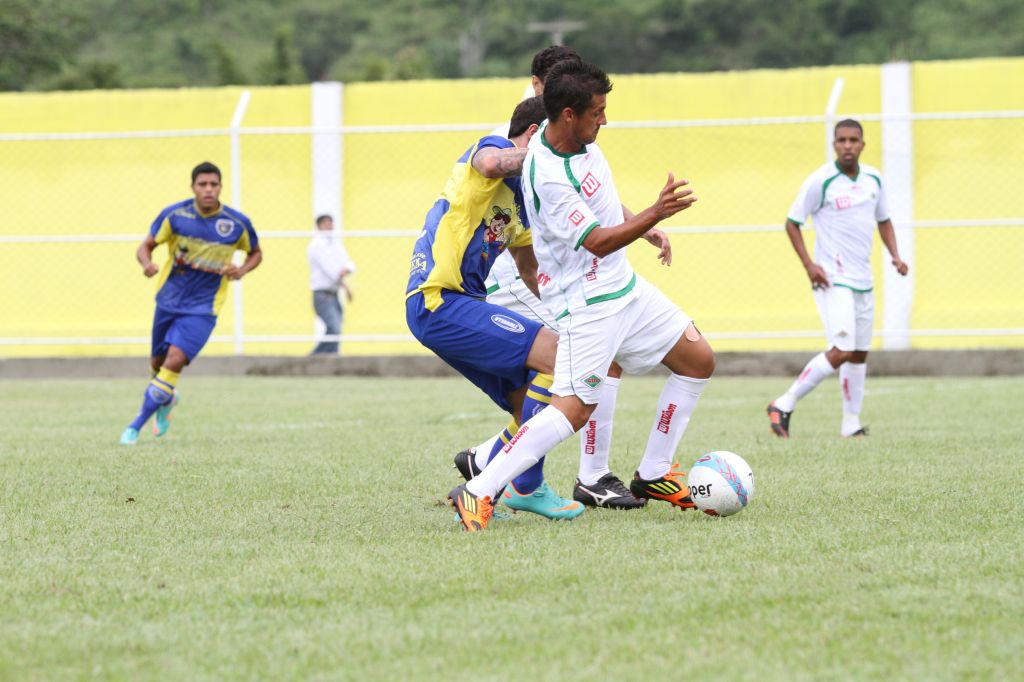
{"x": 846, "y": 199}
{"x": 329, "y": 265}
{"x": 604, "y": 310}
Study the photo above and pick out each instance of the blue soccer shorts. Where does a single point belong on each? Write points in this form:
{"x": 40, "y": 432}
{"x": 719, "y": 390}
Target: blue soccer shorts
{"x": 484, "y": 342}
{"x": 188, "y": 332}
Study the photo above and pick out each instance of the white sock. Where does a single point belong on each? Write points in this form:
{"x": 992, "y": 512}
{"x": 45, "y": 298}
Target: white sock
{"x": 817, "y": 369}
{"x": 676, "y": 404}
{"x": 851, "y": 382}
{"x": 596, "y": 436}
{"x": 483, "y": 451}
{"x": 535, "y": 438}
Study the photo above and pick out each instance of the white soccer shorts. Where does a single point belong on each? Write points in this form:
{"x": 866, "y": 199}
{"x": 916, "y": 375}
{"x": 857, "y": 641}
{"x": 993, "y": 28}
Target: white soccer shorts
{"x": 518, "y": 298}
{"x": 848, "y": 316}
{"x": 639, "y": 336}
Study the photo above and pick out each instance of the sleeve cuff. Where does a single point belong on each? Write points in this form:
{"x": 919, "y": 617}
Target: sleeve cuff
{"x": 583, "y": 237}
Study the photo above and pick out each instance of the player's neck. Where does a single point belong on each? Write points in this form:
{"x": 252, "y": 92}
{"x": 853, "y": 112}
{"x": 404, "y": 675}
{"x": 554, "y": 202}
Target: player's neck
{"x": 560, "y": 139}
{"x": 207, "y": 214}
{"x": 852, "y": 170}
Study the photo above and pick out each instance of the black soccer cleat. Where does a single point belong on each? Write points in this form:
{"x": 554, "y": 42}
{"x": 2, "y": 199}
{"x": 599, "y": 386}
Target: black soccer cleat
{"x": 859, "y": 433}
{"x": 779, "y": 420}
{"x": 609, "y": 492}
{"x": 465, "y": 462}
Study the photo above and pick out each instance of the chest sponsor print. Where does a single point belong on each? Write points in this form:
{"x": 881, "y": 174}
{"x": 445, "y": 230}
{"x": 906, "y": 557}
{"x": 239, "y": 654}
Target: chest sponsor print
{"x": 590, "y": 185}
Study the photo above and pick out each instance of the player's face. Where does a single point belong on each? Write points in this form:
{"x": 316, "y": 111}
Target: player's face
{"x": 848, "y": 144}
{"x": 207, "y": 191}
{"x": 587, "y": 124}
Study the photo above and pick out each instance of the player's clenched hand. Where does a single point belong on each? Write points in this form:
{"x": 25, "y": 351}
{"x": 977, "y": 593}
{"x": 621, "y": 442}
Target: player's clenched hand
{"x": 150, "y": 269}
{"x": 674, "y": 197}
{"x": 660, "y": 240}
{"x": 901, "y": 266}
{"x": 819, "y": 280}
{"x": 232, "y": 272}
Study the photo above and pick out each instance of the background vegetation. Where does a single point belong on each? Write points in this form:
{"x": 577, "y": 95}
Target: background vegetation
{"x": 49, "y": 44}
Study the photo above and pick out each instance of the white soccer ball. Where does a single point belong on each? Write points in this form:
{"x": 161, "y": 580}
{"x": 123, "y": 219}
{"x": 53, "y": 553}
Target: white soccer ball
{"x": 721, "y": 483}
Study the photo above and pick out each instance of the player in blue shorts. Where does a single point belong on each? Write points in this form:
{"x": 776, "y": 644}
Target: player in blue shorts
{"x": 477, "y": 217}
{"x": 201, "y": 235}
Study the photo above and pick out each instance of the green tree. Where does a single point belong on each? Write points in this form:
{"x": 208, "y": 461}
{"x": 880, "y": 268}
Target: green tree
{"x": 37, "y": 40}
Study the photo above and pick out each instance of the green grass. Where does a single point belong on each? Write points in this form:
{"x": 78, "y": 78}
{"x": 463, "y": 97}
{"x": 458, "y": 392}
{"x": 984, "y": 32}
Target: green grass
{"x": 294, "y": 528}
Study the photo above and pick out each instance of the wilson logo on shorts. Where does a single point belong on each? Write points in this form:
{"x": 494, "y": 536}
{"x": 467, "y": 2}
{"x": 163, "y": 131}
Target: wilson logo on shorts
{"x": 576, "y": 217}
{"x": 593, "y": 380}
{"x": 508, "y": 324}
{"x": 590, "y": 185}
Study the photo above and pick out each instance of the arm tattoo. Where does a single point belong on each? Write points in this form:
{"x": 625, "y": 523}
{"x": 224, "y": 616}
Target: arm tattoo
{"x": 507, "y": 162}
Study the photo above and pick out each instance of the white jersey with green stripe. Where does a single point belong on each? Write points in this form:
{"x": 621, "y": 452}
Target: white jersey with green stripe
{"x": 845, "y": 213}
{"x": 566, "y": 196}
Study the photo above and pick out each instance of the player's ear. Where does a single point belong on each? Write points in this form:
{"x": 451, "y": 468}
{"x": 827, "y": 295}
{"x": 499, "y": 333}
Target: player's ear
{"x": 531, "y": 130}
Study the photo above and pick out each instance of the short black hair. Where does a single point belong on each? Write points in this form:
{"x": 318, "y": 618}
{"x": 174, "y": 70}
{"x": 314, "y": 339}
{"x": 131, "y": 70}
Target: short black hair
{"x": 549, "y": 56}
{"x": 321, "y": 218}
{"x": 204, "y": 167}
{"x": 848, "y": 123}
{"x": 527, "y": 113}
{"x": 573, "y": 84}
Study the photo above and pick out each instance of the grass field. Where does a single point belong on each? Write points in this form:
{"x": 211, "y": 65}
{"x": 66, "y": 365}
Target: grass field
{"x": 293, "y": 528}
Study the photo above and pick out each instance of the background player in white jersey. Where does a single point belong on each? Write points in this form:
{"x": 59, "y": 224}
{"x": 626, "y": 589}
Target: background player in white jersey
{"x": 846, "y": 199}
{"x": 595, "y": 484}
{"x": 606, "y": 311}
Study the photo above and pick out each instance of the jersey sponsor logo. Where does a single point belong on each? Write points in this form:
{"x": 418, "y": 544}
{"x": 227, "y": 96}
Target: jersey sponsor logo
{"x": 542, "y": 279}
{"x": 592, "y": 272}
{"x": 225, "y": 227}
{"x": 843, "y": 202}
{"x": 577, "y": 217}
{"x": 592, "y": 381}
{"x": 590, "y": 185}
{"x": 508, "y": 324}
{"x": 665, "y": 420}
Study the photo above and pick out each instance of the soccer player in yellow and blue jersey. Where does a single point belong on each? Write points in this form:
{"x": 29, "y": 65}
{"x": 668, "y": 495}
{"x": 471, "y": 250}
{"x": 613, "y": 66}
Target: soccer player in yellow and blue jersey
{"x": 201, "y": 235}
{"x": 478, "y": 216}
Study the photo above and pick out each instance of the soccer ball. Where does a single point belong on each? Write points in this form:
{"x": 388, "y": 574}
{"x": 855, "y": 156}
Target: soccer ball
{"x": 721, "y": 483}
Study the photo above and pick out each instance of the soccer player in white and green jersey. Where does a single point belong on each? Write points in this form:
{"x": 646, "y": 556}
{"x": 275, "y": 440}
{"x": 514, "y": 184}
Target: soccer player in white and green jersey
{"x": 846, "y": 200}
{"x": 605, "y": 312}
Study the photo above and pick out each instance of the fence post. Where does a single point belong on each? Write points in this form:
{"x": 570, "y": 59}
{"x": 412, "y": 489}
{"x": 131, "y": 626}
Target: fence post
{"x": 326, "y": 105}
{"x": 898, "y": 169}
{"x": 236, "y": 202}
{"x": 830, "y": 117}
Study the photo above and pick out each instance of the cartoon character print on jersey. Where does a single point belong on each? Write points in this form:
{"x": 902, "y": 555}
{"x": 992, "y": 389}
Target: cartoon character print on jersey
{"x": 494, "y": 234}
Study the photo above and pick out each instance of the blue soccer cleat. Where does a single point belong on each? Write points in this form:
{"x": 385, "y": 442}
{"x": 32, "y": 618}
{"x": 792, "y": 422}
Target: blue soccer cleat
{"x": 129, "y": 436}
{"x": 162, "y": 421}
{"x": 543, "y": 501}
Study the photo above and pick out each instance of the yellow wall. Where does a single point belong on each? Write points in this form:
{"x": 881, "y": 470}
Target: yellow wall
{"x": 730, "y": 283}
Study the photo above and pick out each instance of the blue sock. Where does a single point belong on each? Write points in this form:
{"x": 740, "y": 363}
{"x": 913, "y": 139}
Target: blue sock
{"x": 538, "y": 396}
{"x": 159, "y": 392}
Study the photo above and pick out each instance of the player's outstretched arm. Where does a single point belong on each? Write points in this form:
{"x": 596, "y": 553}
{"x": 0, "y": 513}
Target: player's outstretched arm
{"x": 144, "y": 254}
{"x": 888, "y": 235}
{"x": 674, "y": 197}
{"x": 814, "y": 271}
{"x": 492, "y": 162}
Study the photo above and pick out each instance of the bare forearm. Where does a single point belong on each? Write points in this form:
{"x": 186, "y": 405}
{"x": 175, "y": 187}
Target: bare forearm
{"x": 252, "y": 260}
{"x": 605, "y": 240}
{"x": 144, "y": 254}
{"x": 796, "y": 238}
{"x": 492, "y": 162}
{"x": 888, "y": 235}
